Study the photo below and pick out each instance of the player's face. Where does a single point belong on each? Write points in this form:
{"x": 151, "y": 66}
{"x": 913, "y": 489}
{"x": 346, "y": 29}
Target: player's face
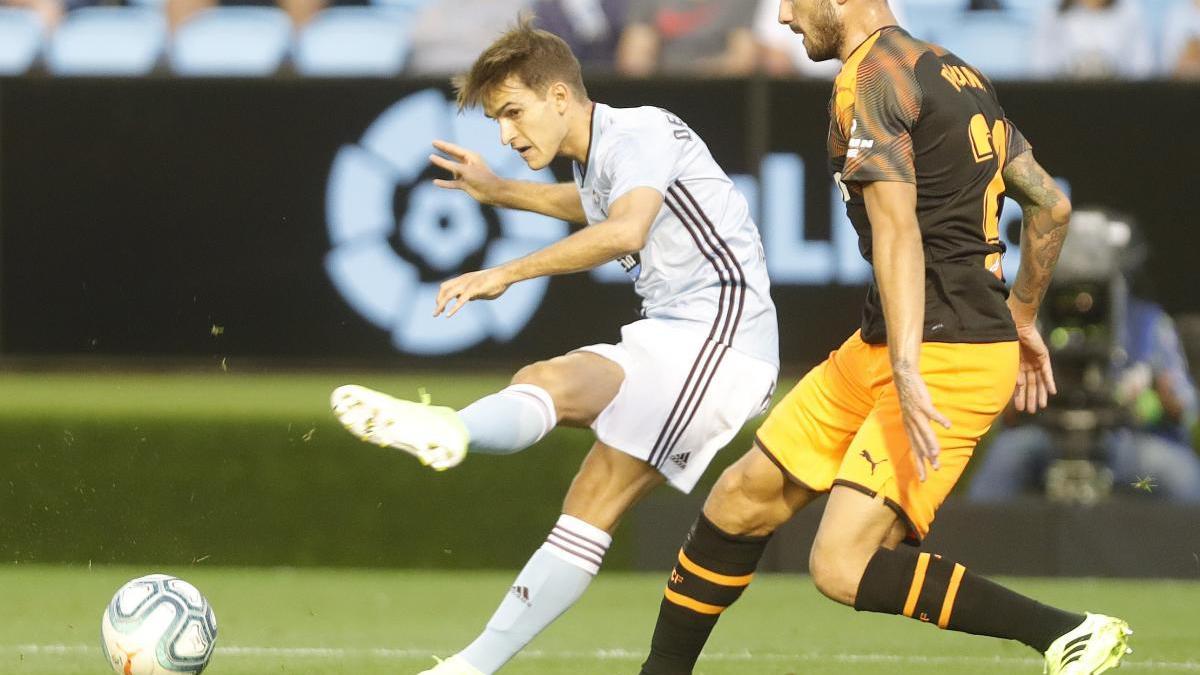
{"x": 533, "y": 124}
{"x": 818, "y": 22}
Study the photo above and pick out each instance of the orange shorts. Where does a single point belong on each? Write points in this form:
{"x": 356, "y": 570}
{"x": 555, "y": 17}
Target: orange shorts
{"x": 841, "y": 424}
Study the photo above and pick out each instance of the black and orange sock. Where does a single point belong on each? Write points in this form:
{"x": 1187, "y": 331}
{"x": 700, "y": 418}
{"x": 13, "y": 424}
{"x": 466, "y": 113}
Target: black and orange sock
{"x": 930, "y": 588}
{"x": 712, "y": 571}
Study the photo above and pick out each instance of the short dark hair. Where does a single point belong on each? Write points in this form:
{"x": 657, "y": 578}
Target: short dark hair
{"x": 537, "y": 57}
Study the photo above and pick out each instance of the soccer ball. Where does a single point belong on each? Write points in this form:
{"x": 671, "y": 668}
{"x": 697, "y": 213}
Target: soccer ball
{"x": 157, "y": 625}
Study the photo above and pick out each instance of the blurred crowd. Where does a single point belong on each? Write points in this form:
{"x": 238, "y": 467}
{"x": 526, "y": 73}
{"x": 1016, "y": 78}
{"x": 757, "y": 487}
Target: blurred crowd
{"x": 1007, "y": 39}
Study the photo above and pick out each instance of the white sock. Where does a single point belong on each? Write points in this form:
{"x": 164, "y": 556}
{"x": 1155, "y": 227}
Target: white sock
{"x": 553, "y": 579}
{"x": 510, "y": 420}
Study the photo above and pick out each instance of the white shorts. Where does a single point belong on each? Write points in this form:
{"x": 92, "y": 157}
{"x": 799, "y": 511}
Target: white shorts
{"x": 684, "y": 397}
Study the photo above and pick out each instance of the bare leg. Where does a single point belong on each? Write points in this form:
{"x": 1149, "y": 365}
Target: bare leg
{"x": 751, "y": 499}
{"x": 301, "y": 11}
{"x": 608, "y": 484}
{"x": 853, "y": 527}
{"x": 856, "y": 561}
{"x": 582, "y": 385}
{"x": 570, "y": 390}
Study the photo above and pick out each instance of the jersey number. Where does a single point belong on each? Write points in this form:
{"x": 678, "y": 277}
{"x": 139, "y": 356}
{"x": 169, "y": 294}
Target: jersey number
{"x": 987, "y": 144}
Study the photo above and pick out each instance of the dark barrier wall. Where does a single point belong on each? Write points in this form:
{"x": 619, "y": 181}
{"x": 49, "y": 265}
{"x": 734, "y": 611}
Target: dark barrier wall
{"x": 296, "y": 215}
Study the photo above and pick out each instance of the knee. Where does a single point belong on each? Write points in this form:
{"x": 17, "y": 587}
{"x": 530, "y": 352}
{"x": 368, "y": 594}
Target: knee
{"x": 835, "y": 575}
{"x": 549, "y": 376}
{"x": 734, "y": 506}
{"x": 541, "y": 373}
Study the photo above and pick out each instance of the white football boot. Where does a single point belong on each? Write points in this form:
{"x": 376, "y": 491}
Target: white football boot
{"x": 1096, "y": 645}
{"x": 452, "y": 666}
{"x": 433, "y": 434}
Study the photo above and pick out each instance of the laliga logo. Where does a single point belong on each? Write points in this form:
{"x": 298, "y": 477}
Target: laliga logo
{"x": 396, "y": 237}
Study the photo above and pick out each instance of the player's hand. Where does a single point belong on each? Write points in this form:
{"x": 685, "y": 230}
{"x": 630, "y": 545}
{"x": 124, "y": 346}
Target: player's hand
{"x": 486, "y": 284}
{"x": 916, "y": 408}
{"x": 468, "y": 172}
{"x": 1035, "y": 378}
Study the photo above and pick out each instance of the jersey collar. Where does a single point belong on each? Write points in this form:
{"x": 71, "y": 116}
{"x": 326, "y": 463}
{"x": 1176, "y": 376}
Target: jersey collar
{"x": 583, "y": 170}
{"x": 870, "y": 39}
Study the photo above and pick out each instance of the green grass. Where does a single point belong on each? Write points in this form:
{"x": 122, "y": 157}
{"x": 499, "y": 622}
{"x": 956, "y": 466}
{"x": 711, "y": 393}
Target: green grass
{"x": 324, "y": 621}
{"x": 365, "y": 622}
{"x": 231, "y": 395}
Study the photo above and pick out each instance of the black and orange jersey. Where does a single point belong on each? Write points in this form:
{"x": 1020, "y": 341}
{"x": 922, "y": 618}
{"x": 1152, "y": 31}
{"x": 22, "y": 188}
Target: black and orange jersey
{"x": 909, "y": 111}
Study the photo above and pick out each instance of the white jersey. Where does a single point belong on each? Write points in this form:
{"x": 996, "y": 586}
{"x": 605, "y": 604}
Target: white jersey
{"x": 703, "y": 264}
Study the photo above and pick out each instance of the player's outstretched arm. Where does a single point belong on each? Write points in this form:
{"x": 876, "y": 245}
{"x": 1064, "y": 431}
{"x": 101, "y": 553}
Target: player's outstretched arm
{"x": 1047, "y": 211}
{"x": 625, "y": 232}
{"x": 898, "y": 257}
{"x": 472, "y": 175}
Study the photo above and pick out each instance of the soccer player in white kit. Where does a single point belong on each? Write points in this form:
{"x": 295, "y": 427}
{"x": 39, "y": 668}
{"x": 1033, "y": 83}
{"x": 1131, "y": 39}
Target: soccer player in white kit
{"x": 682, "y": 380}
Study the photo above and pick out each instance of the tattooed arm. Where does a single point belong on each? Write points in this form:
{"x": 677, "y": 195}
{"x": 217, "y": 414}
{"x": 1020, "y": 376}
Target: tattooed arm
{"x": 1046, "y": 214}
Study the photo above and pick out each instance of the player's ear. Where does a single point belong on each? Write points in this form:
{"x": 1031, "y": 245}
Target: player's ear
{"x": 560, "y": 97}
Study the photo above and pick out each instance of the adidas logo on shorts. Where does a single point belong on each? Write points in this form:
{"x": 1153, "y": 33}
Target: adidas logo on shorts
{"x": 681, "y": 459}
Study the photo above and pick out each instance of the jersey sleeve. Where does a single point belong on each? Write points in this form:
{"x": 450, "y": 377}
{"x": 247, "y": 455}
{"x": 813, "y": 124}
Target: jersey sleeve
{"x": 645, "y": 155}
{"x": 1017, "y": 144}
{"x": 886, "y": 102}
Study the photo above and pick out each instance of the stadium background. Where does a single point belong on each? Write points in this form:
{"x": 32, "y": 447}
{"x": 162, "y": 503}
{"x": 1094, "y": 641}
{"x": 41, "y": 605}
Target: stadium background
{"x": 188, "y": 267}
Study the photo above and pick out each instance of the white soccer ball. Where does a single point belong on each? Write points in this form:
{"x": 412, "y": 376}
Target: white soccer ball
{"x": 157, "y": 625}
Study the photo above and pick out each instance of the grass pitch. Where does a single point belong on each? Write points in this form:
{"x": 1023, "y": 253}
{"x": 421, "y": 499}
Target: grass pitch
{"x": 367, "y": 622}
{"x": 230, "y": 394}
{"x": 325, "y": 621}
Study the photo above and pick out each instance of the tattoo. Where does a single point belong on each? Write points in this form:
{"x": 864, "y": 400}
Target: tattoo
{"x": 1044, "y": 229}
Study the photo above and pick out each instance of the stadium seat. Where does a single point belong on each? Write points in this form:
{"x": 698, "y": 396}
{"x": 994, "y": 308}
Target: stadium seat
{"x": 344, "y": 41}
{"x": 1029, "y": 10}
{"x": 233, "y": 41}
{"x": 995, "y": 42}
{"x": 108, "y": 41}
{"x": 20, "y": 39}
{"x": 410, "y": 6}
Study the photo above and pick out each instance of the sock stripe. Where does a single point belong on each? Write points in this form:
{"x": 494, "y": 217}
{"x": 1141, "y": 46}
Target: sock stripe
{"x": 714, "y": 568}
{"x": 689, "y": 603}
{"x": 579, "y": 540}
{"x": 713, "y": 577}
{"x": 549, "y": 415}
{"x": 572, "y": 550}
{"x": 951, "y": 594}
{"x": 918, "y": 580}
